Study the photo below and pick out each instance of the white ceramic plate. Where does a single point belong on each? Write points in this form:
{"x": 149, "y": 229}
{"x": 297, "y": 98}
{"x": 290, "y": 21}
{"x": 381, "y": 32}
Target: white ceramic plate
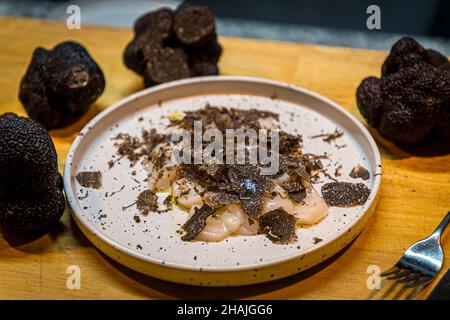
{"x": 153, "y": 245}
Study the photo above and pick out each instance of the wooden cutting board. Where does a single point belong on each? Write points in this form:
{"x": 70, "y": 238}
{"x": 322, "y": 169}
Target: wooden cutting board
{"x": 414, "y": 197}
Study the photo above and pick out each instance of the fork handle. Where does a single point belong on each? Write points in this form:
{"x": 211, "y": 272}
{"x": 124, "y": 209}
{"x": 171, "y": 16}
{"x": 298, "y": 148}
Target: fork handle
{"x": 441, "y": 227}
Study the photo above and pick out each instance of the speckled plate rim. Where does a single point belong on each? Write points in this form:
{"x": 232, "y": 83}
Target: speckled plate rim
{"x": 76, "y": 212}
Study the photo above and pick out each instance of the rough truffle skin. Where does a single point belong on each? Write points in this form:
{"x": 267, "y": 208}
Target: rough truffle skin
{"x": 411, "y": 100}
{"x": 31, "y": 196}
{"x": 194, "y": 25}
{"x": 368, "y": 98}
{"x": 171, "y": 45}
{"x": 28, "y": 160}
{"x": 60, "y": 84}
{"x": 160, "y": 22}
{"x": 31, "y": 213}
{"x": 170, "y": 64}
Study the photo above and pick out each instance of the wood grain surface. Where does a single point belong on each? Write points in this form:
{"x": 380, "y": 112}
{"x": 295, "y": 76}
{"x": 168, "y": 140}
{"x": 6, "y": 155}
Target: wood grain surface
{"x": 415, "y": 191}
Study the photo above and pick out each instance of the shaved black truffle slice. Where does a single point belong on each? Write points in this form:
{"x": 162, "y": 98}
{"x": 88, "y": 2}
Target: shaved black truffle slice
{"x": 194, "y": 24}
{"x": 292, "y": 186}
{"x": 197, "y": 222}
{"x": 147, "y": 201}
{"x": 90, "y": 179}
{"x": 345, "y": 194}
{"x": 295, "y": 191}
{"x": 278, "y": 226}
{"x": 28, "y": 160}
{"x": 295, "y": 167}
{"x": 250, "y": 186}
{"x": 297, "y": 196}
{"x": 60, "y": 84}
{"x": 219, "y": 199}
{"x": 168, "y": 65}
{"x": 31, "y": 213}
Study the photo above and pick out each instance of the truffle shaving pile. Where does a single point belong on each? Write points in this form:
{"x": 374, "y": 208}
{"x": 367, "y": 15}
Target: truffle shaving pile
{"x": 231, "y": 199}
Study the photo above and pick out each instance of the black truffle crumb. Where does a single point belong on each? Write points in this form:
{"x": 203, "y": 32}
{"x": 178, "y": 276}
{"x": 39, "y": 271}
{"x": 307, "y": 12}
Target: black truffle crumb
{"x": 329, "y": 137}
{"x": 278, "y": 226}
{"x": 359, "y": 172}
{"x": 316, "y": 240}
{"x": 345, "y": 194}
{"x": 169, "y": 201}
{"x": 147, "y": 201}
{"x": 60, "y": 84}
{"x": 90, "y": 179}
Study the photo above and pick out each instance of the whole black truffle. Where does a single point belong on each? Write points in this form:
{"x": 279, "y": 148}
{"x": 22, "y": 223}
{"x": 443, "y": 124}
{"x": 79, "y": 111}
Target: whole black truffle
{"x": 411, "y": 100}
{"x": 28, "y": 160}
{"x": 31, "y": 195}
{"x": 60, "y": 84}
{"x": 171, "y": 45}
{"x": 31, "y": 213}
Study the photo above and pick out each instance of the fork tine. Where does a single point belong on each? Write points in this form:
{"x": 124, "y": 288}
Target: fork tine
{"x": 400, "y": 279}
{"x": 400, "y": 292}
{"x": 423, "y": 280}
{"x": 418, "y": 286}
{"x": 401, "y": 274}
{"x": 374, "y": 292}
{"x": 392, "y": 270}
{"x": 413, "y": 276}
{"x": 390, "y": 290}
{"x": 415, "y": 292}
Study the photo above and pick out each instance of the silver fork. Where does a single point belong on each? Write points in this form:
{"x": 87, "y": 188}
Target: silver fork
{"x": 419, "y": 265}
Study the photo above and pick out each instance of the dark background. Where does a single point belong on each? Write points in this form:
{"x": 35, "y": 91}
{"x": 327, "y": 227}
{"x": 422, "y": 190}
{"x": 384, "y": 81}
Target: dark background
{"x": 326, "y": 22}
{"x": 418, "y": 17}
{"x": 422, "y": 17}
